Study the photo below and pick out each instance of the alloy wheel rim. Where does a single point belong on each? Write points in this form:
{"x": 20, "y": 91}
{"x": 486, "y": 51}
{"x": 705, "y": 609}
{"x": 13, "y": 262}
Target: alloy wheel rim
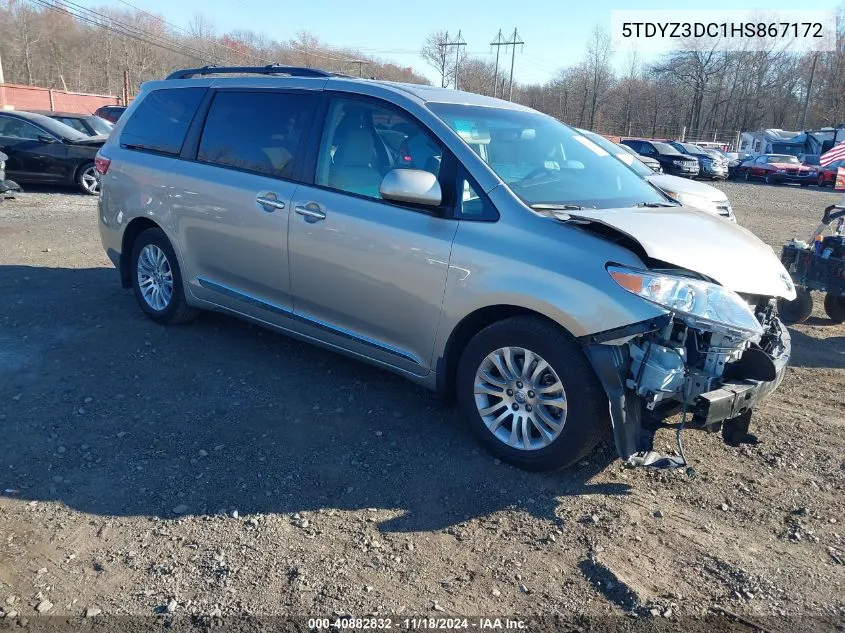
{"x": 90, "y": 180}
{"x": 520, "y": 398}
{"x": 155, "y": 277}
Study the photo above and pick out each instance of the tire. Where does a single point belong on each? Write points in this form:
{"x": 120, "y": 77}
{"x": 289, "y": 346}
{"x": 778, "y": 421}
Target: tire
{"x": 799, "y": 309}
{"x": 747, "y": 176}
{"x": 84, "y": 176}
{"x": 170, "y": 309}
{"x": 805, "y": 184}
{"x": 834, "y": 307}
{"x": 769, "y": 180}
{"x": 585, "y": 419}
{"x": 820, "y": 181}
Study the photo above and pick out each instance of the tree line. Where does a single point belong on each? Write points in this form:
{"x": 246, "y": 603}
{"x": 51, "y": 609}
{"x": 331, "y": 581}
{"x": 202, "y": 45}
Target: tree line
{"x": 66, "y": 46}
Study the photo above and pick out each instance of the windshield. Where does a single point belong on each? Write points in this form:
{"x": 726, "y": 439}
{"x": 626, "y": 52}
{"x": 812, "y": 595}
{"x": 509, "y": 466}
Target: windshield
{"x": 545, "y": 162}
{"x": 665, "y": 148}
{"x": 57, "y": 128}
{"x": 101, "y": 126}
{"x": 631, "y": 160}
{"x": 694, "y": 149}
{"x": 783, "y": 158}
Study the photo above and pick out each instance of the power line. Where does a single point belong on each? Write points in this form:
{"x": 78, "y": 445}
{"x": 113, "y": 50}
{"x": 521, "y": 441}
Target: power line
{"x": 124, "y": 30}
{"x": 194, "y": 35}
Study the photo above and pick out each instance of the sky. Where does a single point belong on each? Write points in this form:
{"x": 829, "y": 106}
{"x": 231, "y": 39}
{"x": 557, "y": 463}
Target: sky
{"x": 555, "y": 32}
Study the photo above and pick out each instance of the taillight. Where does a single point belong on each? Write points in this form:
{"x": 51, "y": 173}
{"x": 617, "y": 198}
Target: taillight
{"x": 101, "y": 164}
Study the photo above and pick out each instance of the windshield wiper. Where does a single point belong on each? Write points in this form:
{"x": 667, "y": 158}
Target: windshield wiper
{"x": 654, "y": 204}
{"x": 558, "y": 207}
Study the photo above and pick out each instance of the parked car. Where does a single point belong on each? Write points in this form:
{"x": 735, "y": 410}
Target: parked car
{"x": 688, "y": 192}
{"x": 506, "y": 259}
{"x": 775, "y": 169}
{"x": 827, "y": 175}
{"x": 671, "y": 160}
{"x": 709, "y": 166}
{"x": 42, "y": 150}
{"x": 648, "y": 161}
{"x": 110, "y": 113}
{"x": 8, "y": 188}
{"x": 732, "y": 163}
{"x": 88, "y": 124}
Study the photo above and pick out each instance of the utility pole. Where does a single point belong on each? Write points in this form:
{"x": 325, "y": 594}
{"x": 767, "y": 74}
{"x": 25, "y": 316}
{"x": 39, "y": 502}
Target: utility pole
{"x": 498, "y": 44}
{"x": 807, "y": 96}
{"x": 513, "y": 42}
{"x": 360, "y": 63}
{"x": 2, "y": 80}
{"x": 125, "y": 87}
{"x": 457, "y": 44}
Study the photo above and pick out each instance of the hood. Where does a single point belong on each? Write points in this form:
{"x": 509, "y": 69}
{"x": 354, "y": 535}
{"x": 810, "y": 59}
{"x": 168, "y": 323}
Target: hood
{"x": 698, "y": 241}
{"x": 685, "y": 185}
{"x": 790, "y": 166}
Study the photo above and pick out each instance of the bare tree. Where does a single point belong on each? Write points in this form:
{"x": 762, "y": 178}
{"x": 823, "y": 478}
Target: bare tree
{"x": 436, "y": 54}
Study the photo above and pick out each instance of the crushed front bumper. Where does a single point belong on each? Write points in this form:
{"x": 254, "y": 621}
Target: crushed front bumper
{"x": 735, "y": 397}
{"x": 8, "y": 188}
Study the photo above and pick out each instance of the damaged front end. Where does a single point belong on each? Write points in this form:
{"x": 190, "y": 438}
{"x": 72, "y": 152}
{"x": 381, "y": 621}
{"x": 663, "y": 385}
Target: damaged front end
{"x": 711, "y": 371}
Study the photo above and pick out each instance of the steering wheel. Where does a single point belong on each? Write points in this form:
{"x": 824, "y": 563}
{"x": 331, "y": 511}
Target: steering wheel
{"x": 537, "y": 171}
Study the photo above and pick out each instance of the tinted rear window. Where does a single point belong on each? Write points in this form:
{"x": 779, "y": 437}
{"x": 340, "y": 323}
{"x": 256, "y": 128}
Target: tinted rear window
{"x": 161, "y": 120}
{"x": 260, "y": 132}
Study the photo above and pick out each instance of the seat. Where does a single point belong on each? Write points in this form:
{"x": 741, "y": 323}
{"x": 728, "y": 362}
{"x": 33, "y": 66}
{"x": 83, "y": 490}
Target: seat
{"x": 352, "y": 169}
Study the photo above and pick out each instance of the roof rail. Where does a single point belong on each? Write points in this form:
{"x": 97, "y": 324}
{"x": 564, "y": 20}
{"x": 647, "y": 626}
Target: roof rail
{"x": 270, "y": 69}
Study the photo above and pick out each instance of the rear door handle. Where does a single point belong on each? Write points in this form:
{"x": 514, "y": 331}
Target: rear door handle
{"x": 311, "y": 211}
{"x": 270, "y": 202}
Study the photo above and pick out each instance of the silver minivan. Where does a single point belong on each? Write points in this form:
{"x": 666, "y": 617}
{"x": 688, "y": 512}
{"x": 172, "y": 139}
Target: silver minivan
{"x": 473, "y": 245}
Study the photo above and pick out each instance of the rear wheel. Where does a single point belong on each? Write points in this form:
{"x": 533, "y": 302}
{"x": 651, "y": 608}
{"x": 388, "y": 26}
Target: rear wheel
{"x": 799, "y": 309}
{"x": 529, "y": 394}
{"x": 769, "y": 180}
{"x": 88, "y": 180}
{"x": 747, "y": 176}
{"x": 157, "y": 280}
{"x": 834, "y": 307}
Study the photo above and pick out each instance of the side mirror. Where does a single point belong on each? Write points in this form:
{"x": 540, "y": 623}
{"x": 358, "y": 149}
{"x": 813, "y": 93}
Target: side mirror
{"x": 44, "y": 138}
{"x": 411, "y": 185}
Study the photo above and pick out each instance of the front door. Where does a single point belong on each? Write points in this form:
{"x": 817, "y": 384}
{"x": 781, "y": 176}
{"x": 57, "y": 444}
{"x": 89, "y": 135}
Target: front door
{"x": 231, "y": 205}
{"x": 367, "y": 273}
{"x": 34, "y": 154}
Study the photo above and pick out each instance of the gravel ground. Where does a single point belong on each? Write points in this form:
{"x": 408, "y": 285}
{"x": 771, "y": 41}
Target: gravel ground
{"x": 221, "y": 470}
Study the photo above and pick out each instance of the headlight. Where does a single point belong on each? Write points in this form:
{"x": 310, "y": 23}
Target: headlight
{"x": 2, "y": 165}
{"x": 692, "y": 200}
{"x": 781, "y": 171}
{"x": 699, "y": 303}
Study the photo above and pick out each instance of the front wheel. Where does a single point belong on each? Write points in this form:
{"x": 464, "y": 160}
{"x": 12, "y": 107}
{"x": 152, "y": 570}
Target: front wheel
{"x": 157, "y": 281}
{"x": 88, "y": 180}
{"x": 747, "y": 176}
{"x": 799, "y": 309}
{"x": 834, "y": 307}
{"x": 529, "y": 394}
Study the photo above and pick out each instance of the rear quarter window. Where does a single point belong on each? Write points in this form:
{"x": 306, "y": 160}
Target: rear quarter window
{"x": 160, "y": 122}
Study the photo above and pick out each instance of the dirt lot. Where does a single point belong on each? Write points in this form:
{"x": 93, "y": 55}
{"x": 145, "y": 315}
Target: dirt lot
{"x": 218, "y": 469}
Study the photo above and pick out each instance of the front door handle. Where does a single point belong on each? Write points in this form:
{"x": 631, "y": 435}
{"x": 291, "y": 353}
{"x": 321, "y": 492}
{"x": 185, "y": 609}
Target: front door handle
{"x": 311, "y": 211}
{"x": 270, "y": 202}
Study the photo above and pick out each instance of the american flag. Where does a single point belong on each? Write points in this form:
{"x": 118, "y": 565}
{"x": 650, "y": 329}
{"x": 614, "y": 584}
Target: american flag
{"x": 837, "y": 152}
